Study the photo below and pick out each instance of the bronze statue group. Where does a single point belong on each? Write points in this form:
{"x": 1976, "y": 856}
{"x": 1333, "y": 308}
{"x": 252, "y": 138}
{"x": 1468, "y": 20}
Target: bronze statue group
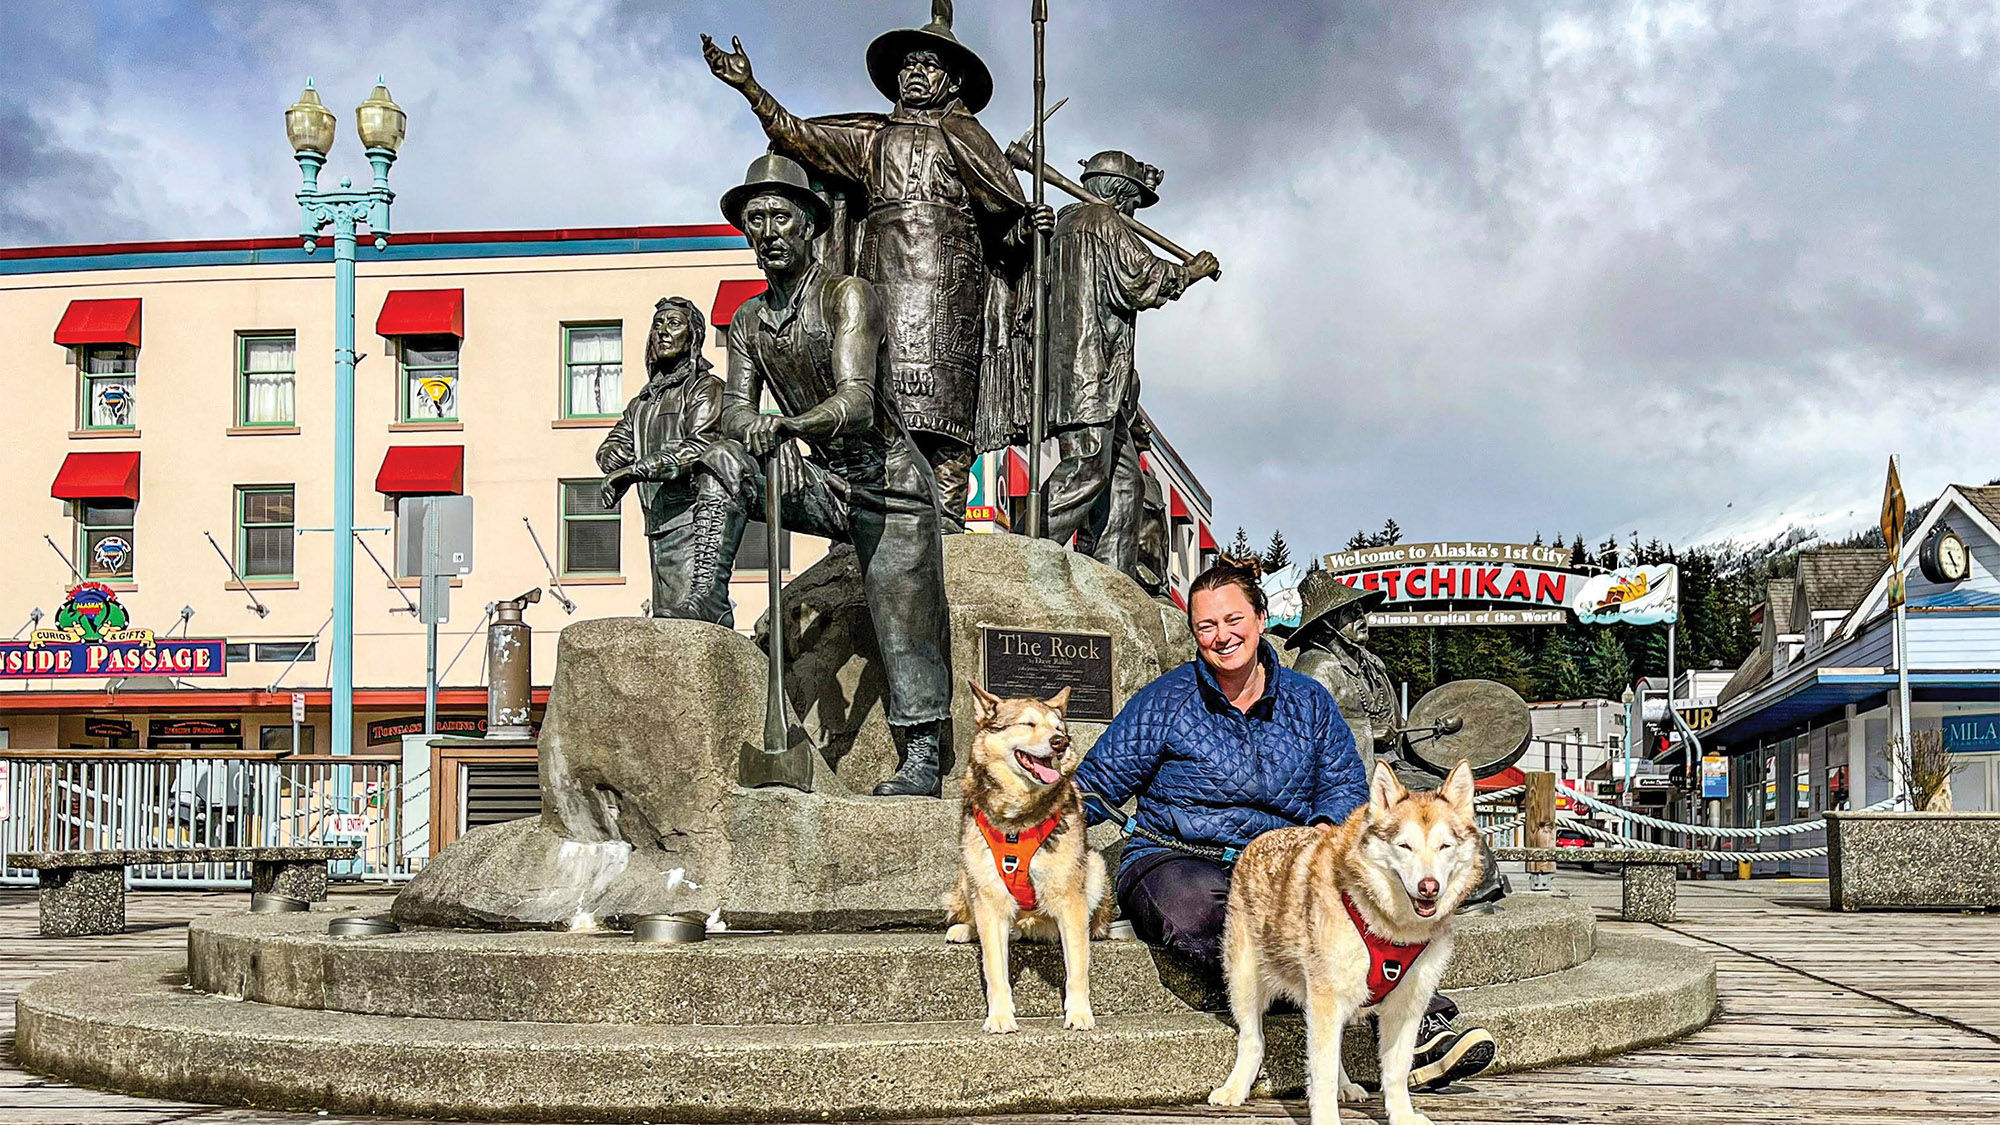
{"x": 895, "y": 338}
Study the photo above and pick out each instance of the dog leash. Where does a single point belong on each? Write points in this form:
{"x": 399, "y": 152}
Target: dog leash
{"x": 1125, "y": 825}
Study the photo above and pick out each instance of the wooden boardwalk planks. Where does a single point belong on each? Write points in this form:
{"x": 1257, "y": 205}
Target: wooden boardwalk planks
{"x": 1859, "y": 1019}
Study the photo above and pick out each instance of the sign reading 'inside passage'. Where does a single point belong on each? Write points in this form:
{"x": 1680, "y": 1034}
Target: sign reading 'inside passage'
{"x": 1033, "y": 662}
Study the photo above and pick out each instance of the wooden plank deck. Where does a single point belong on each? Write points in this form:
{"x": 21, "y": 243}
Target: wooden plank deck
{"x": 1858, "y": 1019}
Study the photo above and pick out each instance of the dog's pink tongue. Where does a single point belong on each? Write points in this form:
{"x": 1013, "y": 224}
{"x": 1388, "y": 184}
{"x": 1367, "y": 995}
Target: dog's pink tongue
{"x": 1043, "y": 773}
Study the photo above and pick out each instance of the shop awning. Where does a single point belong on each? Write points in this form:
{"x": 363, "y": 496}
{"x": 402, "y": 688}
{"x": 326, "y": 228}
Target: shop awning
{"x": 730, "y": 297}
{"x": 1204, "y": 540}
{"x": 1017, "y": 474}
{"x": 1176, "y": 507}
{"x": 97, "y": 476}
{"x": 100, "y": 322}
{"x": 422, "y": 470}
{"x": 423, "y": 312}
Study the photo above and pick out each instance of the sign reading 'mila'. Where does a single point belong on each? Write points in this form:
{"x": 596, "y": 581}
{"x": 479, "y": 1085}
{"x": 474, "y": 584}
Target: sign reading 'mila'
{"x": 1971, "y": 734}
{"x": 94, "y": 637}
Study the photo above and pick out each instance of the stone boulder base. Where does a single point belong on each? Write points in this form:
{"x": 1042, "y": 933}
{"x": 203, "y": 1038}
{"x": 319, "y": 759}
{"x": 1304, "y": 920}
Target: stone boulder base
{"x": 835, "y": 678}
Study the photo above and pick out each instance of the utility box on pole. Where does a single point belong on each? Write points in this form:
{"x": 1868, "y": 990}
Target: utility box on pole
{"x": 433, "y": 544}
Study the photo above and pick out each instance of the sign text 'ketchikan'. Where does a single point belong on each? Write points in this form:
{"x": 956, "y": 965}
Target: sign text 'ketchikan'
{"x": 1530, "y": 584}
{"x": 93, "y": 637}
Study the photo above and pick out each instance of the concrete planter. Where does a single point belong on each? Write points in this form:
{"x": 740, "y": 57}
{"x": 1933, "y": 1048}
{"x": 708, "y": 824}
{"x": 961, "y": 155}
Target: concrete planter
{"x": 1913, "y": 861}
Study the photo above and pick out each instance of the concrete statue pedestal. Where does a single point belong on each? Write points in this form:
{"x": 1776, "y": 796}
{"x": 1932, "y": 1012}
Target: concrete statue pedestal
{"x": 1913, "y": 860}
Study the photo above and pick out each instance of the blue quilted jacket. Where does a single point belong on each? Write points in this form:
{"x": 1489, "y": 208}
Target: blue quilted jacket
{"x": 1207, "y": 773}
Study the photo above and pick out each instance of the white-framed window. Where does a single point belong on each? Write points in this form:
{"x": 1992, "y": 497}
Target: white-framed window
{"x": 107, "y": 375}
{"x": 266, "y": 379}
{"x": 593, "y": 370}
{"x": 430, "y": 377}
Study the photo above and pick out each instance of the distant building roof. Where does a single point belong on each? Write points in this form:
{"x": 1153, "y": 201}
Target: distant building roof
{"x": 1778, "y": 604}
{"x": 1985, "y": 497}
{"x": 1756, "y": 669}
{"x": 1837, "y": 579}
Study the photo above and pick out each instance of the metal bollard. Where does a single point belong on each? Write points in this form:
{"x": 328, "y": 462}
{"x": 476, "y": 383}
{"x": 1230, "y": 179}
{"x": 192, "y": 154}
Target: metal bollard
{"x": 510, "y": 644}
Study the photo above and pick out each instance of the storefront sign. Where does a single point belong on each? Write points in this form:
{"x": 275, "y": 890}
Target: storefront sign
{"x": 181, "y": 730}
{"x": 1715, "y": 777}
{"x": 1697, "y": 719}
{"x": 107, "y": 728}
{"x": 93, "y": 637}
{"x": 1972, "y": 734}
{"x": 1632, "y": 595}
{"x": 1033, "y": 662}
{"x": 384, "y": 731}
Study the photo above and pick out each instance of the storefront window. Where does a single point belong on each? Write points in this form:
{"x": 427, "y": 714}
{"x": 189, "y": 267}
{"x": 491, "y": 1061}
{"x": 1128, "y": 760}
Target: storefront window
{"x": 104, "y": 539}
{"x": 266, "y": 374}
{"x": 593, "y": 370}
{"x": 430, "y": 378}
{"x": 280, "y": 739}
{"x": 589, "y": 530}
{"x": 109, "y": 374}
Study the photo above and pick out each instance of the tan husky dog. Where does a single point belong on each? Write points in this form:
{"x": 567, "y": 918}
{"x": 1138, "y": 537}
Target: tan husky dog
{"x": 1348, "y": 919}
{"x": 1022, "y": 855}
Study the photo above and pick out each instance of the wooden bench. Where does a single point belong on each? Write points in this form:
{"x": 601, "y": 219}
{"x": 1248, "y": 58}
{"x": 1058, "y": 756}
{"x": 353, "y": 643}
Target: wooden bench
{"x": 83, "y": 892}
{"x": 1647, "y": 874}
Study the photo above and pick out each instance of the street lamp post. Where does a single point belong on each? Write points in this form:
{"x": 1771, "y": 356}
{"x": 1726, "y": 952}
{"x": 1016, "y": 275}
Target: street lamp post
{"x": 309, "y": 124}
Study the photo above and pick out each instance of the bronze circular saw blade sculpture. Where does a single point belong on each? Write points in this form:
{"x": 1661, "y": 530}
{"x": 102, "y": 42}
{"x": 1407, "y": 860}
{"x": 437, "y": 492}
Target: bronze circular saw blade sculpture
{"x": 1479, "y": 722}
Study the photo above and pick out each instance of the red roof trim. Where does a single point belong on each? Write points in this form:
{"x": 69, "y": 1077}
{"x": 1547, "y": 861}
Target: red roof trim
{"x": 422, "y": 312}
{"x": 114, "y": 321}
{"x": 1177, "y": 508}
{"x": 97, "y": 476}
{"x": 729, "y": 296}
{"x": 422, "y": 470}
{"x": 426, "y": 238}
{"x": 1204, "y": 540}
{"x": 1017, "y": 474}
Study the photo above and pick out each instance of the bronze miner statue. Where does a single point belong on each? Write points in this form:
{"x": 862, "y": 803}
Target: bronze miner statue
{"x": 945, "y": 239}
{"x": 668, "y": 428}
{"x": 1104, "y": 277}
{"x": 815, "y": 341}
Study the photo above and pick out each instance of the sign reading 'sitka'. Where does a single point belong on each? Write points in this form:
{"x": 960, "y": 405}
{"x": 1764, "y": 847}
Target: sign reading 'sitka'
{"x": 94, "y": 637}
{"x": 1034, "y": 662}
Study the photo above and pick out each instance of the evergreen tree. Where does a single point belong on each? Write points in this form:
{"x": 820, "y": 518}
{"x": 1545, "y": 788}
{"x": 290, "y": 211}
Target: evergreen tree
{"x": 1607, "y": 669}
{"x": 1578, "y": 555}
{"x": 1278, "y": 555}
{"x": 1239, "y": 547}
{"x": 1390, "y": 535}
{"x": 1558, "y": 669}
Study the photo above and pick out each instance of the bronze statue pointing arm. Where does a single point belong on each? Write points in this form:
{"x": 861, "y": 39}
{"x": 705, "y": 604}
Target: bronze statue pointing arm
{"x": 833, "y": 148}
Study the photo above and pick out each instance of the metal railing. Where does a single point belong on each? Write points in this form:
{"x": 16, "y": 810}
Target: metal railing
{"x": 71, "y": 801}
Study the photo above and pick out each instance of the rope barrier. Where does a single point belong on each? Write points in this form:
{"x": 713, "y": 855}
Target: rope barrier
{"x": 1583, "y": 854}
{"x": 1705, "y": 830}
{"x": 1498, "y": 795}
{"x": 1503, "y": 826}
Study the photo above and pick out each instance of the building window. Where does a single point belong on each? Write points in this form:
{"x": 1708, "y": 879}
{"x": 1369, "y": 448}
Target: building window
{"x": 104, "y": 538}
{"x": 287, "y": 652}
{"x": 589, "y": 530}
{"x": 264, "y": 531}
{"x": 430, "y": 378}
{"x": 754, "y": 552}
{"x": 109, "y": 372}
{"x": 593, "y": 370}
{"x": 266, "y": 374}
{"x": 279, "y": 739}
{"x": 236, "y": 652}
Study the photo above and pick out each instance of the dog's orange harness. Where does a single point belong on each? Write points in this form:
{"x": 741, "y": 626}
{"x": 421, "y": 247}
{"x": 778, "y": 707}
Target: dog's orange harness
{"x": 1013, "y": 851}
{"x": 1388, "y": 961}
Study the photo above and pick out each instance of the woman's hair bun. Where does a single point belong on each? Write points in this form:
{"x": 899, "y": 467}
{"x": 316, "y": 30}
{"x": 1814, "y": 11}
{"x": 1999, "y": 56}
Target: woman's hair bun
{"x": 1251, "y": 563}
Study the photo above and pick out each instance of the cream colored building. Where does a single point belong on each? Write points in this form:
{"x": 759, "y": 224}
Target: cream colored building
{"x": 167, "y": 394}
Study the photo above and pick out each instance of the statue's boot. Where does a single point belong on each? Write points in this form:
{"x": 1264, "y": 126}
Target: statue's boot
{"x": 922, "y": 771}
{"x": 1491, "y": 888}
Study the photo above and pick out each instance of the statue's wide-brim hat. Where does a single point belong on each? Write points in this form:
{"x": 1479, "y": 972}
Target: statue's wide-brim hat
{"x": 887, "y": 52}
{"x": 1125, "y": 166}
{"x": 1321, "y": 595}
{"x": 781, "y": 175}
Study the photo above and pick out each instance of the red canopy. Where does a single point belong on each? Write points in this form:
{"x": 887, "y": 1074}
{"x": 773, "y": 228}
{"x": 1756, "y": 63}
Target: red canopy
{"x": 97, "y": 476}
{"x": 100, "y": 322}
{"x": 422, "y": 470}
{"x": 423, "y": 312}
{"x": 1017, "y": 474}
{"x": 1205, "y": 541}
{"x": 1505, "y": 779}
{"x": 1176, "y": 507}
{"x": 730, "y": 297}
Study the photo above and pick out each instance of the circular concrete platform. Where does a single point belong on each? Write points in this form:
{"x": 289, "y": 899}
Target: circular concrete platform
{"x": 649, "y": 1034}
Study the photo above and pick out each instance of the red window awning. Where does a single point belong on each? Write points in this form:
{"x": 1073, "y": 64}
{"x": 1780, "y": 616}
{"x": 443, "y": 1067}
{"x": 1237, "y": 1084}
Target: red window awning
{"x": 422, "y": 470}
{"x": 97, "y": 476}
{"x": 730, "y": 297}
{"x": 423, "y": 312}
{"x": 1204, "y": 540}
{"x": 100, "y": 322}
{"x": 1176, "y": 507}
{"x": 1017, "y": 474}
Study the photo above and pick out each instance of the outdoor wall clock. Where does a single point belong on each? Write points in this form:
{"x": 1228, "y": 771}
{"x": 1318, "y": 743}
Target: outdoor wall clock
{"x": 1944, "y": 558}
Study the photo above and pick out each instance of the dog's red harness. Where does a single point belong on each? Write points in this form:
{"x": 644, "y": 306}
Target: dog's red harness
{"x": 1388, "y": 961}
{"x": 1012, "y": 852}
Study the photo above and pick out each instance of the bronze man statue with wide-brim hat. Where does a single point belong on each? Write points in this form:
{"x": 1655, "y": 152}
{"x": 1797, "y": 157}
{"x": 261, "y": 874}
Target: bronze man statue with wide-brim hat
{"x": 1104, "y": 277}
{"x": 945, "y": 236}
{"x": 814, "y": 340}
{"x": 1331, "y": 641}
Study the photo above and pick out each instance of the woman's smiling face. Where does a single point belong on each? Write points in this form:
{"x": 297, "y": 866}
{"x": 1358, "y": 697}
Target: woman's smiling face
{"x": 1227, "y": 628}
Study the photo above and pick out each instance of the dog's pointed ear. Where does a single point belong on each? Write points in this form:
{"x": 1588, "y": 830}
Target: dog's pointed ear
{"x": 1458, "y": 787}
{"x": 984, "y": 703}
{"x": 1059, "y": 702}
{"x": 1386, "y": 789}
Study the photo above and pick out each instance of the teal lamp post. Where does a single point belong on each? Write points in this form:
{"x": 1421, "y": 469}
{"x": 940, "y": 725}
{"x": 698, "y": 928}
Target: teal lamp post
{"x": 380, "y": 123}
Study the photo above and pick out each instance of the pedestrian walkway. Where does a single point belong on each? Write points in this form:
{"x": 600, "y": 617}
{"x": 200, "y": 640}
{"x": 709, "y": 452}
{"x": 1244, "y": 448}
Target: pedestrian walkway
{"x": 1862, "y": 1019}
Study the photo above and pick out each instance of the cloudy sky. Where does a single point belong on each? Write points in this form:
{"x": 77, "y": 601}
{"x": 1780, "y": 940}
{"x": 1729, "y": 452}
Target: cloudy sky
{"x": 1690, "y": 269}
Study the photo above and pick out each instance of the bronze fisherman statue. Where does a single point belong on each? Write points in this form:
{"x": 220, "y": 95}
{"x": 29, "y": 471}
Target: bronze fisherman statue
{"x": 944, "y": 238}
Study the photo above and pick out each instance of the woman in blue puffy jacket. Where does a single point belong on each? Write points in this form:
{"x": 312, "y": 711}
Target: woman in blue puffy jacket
{"x": 1219, "y": 750}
